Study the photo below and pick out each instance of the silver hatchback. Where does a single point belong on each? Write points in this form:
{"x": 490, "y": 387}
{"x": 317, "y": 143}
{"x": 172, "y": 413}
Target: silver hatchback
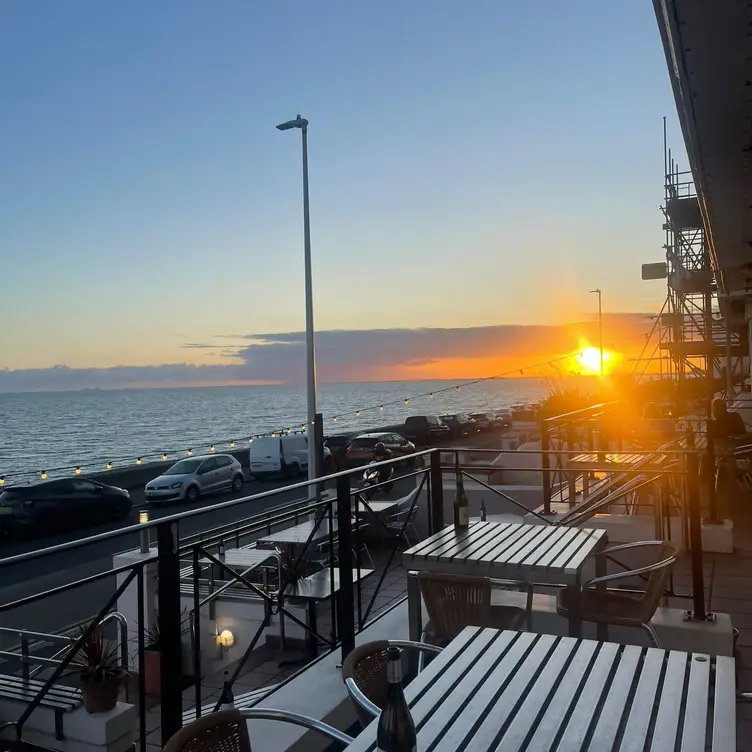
{"x": 192, "y": 477}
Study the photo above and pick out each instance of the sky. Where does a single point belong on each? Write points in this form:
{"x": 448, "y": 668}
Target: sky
{"x": 473, "y": 165}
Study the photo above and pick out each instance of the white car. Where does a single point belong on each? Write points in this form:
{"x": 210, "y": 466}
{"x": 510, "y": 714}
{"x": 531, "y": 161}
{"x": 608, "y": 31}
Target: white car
{"x": 194, "y": 476}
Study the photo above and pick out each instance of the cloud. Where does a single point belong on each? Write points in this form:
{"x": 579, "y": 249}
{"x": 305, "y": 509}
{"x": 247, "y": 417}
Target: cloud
{"x": 344, "y": 355}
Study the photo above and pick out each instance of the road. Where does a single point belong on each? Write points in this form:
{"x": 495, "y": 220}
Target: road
{"x": 53, "y": 613}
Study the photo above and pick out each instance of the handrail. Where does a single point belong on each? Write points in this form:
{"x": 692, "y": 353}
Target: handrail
{"x": 26, "y": 659}
{"x": 582, "y": 412}
{"x": 179, "y": 516}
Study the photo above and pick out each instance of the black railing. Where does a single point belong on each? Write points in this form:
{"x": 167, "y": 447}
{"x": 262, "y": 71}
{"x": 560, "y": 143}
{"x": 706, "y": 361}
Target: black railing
{"x": 195, "y": 568}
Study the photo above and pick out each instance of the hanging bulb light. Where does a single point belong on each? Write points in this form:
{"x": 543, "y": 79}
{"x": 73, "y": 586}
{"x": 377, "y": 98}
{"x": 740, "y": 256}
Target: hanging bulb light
{"x": 78, "y": 471}
{"x": 43, "y": 476}
{"x": 334, "y": 419}
{"x": 250, "y": 439}
{"x": 164, "y": 457}
{"x": 138, "y": 460}
{"x": 211, "y": 448}
{"x": 381, "y": 408}
{"x": 407, "y": 401}
{"x": 430, "y": 396}
{"x": 289, "y": 431}
{"x": 302, "y": 427}
{"x": 189, "y": 452}
{"x": 2, "y": 480}
{"x": 457, "y": 388}
{"x": 274, "y": 435}
{"x": 357, "y": 414}
{"x": 109, "y": 465}
{"x": 232, "y": 444}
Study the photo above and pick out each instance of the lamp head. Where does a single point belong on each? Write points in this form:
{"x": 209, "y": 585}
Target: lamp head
{"x": 299, "y": 122}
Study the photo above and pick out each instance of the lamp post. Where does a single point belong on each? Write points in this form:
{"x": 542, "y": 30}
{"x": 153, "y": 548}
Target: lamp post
{"x": 600, "y": 325}
{"x": 302, "y": 124}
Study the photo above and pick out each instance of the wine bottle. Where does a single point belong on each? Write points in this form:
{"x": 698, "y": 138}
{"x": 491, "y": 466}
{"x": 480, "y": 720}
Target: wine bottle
{"x": 228, "y": 698}
{"x": 221, "y": 550}
{"x": 482, "y": 510}
{"x": 396, "y": 730}
{"x": 461, "y": 511}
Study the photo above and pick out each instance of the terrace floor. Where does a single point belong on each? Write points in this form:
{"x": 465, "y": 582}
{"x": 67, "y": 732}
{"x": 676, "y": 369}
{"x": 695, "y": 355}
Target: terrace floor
{"x": 728, "y": 588}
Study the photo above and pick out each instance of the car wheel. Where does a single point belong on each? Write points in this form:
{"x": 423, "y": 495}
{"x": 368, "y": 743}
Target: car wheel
{"x": 293, "y": 469}
{"x": 237, "y": 483}
{"x": 191, "y": 494}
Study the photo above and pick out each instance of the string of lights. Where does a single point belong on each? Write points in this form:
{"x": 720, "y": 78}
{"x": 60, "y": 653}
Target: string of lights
{"x": 127, "y": 461}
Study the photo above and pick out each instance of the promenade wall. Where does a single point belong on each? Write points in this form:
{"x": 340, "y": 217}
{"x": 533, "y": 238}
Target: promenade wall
{"x": 137, "y": 476}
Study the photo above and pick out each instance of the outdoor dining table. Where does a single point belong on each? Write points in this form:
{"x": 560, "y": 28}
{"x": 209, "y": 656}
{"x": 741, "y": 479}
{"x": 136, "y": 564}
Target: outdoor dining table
{"x": 298, "y": 534}
{"x": 542, "y": 554}
{"x": 506, "y": 690}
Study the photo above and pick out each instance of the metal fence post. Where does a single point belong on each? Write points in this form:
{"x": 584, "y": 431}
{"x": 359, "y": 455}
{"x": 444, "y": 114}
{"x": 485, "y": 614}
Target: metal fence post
{"x": 436, "y": 499}
{"x": 168, "y": 599}
{"x": 710, "y": 480}
{"x": 346, "y": 609}
{"x": 571, "y": 475}
{"x": 546, "y": 467}
{"x": 695, "y": 530}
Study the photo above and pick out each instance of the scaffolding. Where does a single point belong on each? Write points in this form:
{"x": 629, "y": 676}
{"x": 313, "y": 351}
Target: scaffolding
{"x": 693, "y": 339}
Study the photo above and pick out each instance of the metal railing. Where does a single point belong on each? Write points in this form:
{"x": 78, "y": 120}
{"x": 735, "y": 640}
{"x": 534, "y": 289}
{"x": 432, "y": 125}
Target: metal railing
{"x": 193, "y": 567}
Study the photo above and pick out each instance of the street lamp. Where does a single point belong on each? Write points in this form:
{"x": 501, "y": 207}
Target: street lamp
{"x": 302, "y": 124}
{"x": 600, "y": 324}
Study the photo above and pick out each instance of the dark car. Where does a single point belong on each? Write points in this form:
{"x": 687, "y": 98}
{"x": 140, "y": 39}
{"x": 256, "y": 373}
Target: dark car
{"x": 360, "y": 451}
{"x": 56, "y": 504}
{"x": 460, "y": 424}
{"x": 338, "y": 447}
{"x": 426, "y": 430}
{"x": 484, "y": 421}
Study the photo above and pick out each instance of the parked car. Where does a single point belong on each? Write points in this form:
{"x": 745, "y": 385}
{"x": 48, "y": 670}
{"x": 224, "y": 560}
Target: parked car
{"x": 504, "y": 417}
{"x": 338, "y": 445}
{"x": 360, "y": 451}
{"x": 460, "y": 424}
{"x": 194, "y": 476}
{"x": 285, "y": 455}
{"x": 58, "y": 504}
{"x": 426, "y": 430}
{"x": 484, "y": 421}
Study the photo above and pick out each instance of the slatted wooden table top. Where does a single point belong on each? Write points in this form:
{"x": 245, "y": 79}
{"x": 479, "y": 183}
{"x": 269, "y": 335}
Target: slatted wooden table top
{"x": 508, "y": 550}
{"x": 514, "y": 691}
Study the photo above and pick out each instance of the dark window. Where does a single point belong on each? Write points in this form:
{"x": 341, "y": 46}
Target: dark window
{"x": 433, "y": 420}
{"x": 84, "y": 486}
{"x": 208, "y": 466}
{"x": 224, "y": 461}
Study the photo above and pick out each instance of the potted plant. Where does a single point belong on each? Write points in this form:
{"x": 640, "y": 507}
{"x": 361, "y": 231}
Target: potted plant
{"x": 97, "y": 661}
{"x": 305, "y": 568}
{"x": 153, "y": 653}
{"x": 153, "y": 658}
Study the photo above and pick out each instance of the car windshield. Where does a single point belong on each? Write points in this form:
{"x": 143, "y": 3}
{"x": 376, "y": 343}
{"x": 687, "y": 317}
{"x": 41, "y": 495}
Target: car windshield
{"x": 184, "y": 467}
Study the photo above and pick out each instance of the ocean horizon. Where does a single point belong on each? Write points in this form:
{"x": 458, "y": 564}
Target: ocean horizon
{"x": 88, "y": 428}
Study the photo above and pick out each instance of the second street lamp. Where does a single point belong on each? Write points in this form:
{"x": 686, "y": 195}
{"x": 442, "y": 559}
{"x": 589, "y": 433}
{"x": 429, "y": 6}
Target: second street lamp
{"x": 302, "y": 124}
{"x": 600, "y": 325}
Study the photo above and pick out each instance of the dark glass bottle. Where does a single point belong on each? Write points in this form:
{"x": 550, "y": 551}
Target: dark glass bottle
{"x": 228, "y": 698}
{"x": 482, "y": 510}
{"x": 461, "y": 509}
{"x": 396, "y": 730}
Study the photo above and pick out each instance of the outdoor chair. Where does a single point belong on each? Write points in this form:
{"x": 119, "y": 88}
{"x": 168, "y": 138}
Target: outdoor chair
{"x": 404, "y": 518}
{"x": 364, "y": 674}
{"x": 611, "y": 607}
{"x": 455, "y": 601}
{"x": 227, "y": 730}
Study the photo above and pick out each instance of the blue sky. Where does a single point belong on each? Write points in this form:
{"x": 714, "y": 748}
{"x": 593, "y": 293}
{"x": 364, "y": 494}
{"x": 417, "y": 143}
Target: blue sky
{"x": 472, "y": 164}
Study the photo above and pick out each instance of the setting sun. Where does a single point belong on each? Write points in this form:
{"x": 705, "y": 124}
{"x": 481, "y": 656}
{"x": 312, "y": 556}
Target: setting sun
{"x": 590, "y": 358}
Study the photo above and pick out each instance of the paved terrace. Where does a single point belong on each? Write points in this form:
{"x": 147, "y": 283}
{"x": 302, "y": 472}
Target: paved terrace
{"x": 728, "y": 588}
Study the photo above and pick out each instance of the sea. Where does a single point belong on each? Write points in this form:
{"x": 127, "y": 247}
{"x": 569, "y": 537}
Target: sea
{"x": 56, "y": 432}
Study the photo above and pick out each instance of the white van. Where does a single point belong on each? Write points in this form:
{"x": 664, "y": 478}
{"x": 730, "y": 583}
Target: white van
{"x": 285, "y": 455}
